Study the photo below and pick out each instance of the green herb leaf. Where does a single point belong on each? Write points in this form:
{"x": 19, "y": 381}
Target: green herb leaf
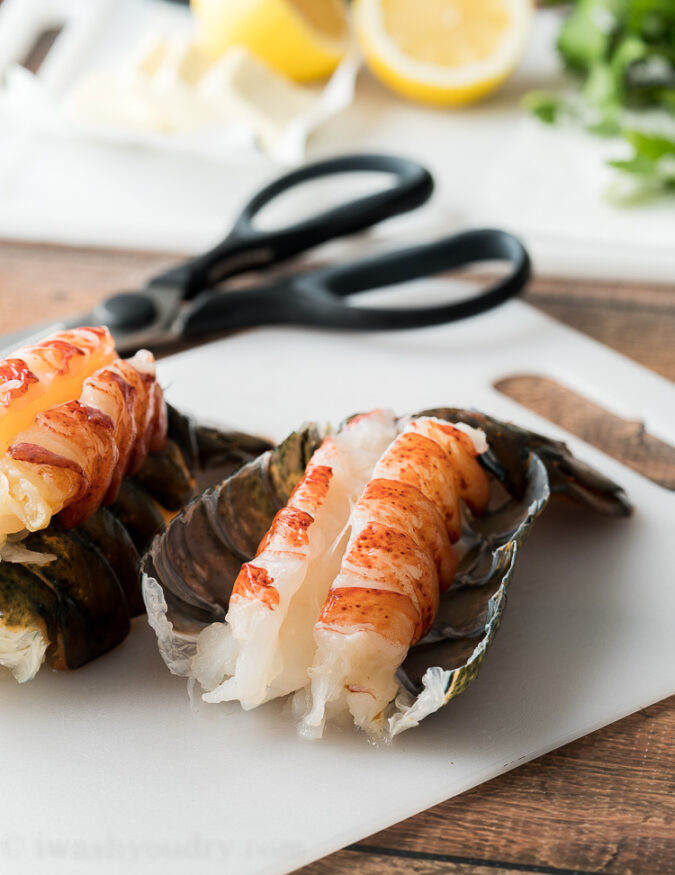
{"x": 624, "y": 50}
{"x": 545, "y": 105}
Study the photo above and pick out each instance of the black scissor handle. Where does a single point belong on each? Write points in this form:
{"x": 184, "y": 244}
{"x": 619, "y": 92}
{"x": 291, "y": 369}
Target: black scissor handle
{"x": 330, "y": 285}
{"x": 317, "y": 297}
{"x": 247, "y": 248}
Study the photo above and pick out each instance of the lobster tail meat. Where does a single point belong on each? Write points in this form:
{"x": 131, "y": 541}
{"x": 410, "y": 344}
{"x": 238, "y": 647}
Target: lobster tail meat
{"x": 350, "y": 573}
{"x": 74, "y": 421}
{"x": 408, "y": 614}
{"x": 48, "y": 373}
{"x": 386, "y": 596}
{"x": 264, "y": 649}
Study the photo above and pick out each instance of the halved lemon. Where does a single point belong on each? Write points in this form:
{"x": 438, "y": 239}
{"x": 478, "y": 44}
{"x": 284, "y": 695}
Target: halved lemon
{"x": 304, "y": 39}
{"x": 445, "y": 52}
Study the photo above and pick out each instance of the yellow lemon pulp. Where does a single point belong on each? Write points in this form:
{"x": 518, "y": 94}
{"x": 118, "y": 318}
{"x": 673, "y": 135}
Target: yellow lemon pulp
{"x": 327, "y": 18}
{"x": 442, "y": 51}
{"x": 448, "y": 34}
{"x": 303, "y": 39}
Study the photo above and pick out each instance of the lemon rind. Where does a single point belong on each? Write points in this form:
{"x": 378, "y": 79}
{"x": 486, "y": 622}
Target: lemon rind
{"x": 429, "y": 81}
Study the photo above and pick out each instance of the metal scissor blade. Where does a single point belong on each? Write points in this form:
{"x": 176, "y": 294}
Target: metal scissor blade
{"x": 160, "y": 331}
{"x": 35, "y": 333}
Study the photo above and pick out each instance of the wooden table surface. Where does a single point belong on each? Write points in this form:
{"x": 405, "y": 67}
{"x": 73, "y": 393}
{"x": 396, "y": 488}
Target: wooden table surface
{"x": 605, "y": 803}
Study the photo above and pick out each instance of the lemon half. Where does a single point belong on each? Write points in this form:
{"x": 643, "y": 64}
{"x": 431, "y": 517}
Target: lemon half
{"x": 303, "y": 39}
{"x": 446, "y": 52}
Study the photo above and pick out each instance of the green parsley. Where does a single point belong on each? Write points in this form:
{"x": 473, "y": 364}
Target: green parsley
{"x": 623, "y": 53}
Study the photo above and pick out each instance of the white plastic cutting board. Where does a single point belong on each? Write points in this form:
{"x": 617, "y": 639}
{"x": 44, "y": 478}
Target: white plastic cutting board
{"x": 107, "y": 770}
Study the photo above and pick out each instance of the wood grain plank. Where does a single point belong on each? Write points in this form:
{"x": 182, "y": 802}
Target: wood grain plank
{"x": 628, "y": 441}
{"x": 636, "y": 320}
{"x": 353, "y": 861}
{"x": 48, "y": 282}
{"x": 646, "y": 336}
{"x": 605, "y": 803}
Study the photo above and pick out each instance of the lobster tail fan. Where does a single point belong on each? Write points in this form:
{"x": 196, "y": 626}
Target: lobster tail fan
{"x": 510, "y": 449}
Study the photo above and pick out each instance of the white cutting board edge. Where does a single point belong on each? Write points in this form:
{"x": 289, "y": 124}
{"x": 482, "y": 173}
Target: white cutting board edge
{"x": 242, "y": 779}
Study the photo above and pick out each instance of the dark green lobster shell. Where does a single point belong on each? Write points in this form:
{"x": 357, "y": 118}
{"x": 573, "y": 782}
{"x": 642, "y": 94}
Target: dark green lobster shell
{"x": 83, "y": 599}
{"x": 191, "y": 567}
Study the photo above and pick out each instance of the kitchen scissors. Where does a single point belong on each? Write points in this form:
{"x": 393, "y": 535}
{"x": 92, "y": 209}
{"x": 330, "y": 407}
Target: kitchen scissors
{"x": 189, "y": 301}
